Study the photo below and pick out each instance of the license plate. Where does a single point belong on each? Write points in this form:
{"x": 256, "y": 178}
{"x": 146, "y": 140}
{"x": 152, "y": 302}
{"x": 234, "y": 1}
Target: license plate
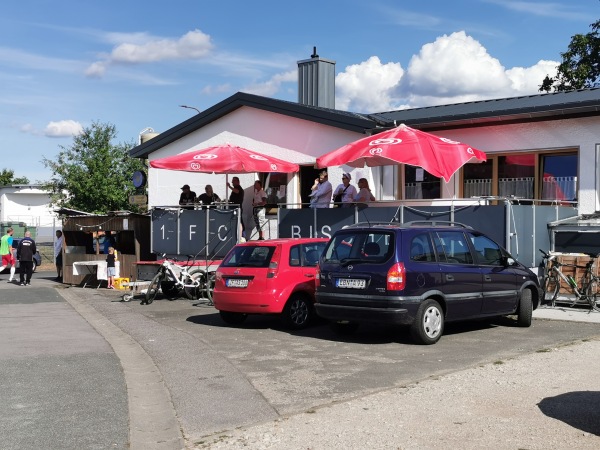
{"x": 237, "y": 282}
{"x": 351, "y": 283}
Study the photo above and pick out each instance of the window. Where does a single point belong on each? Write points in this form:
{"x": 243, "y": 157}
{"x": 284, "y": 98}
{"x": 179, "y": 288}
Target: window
{"x": 478, "y": 179}
{"x": 420, "y": 184}
{"x": 487, "y": 251}
{"x": 362, "y": 247}
{"x": 275, "y": 186}
{"x": 420, "y": 248}
{"x": 454, "y": 246}
{"x": 312, "y": 253}
{"x": 559, "y": 177}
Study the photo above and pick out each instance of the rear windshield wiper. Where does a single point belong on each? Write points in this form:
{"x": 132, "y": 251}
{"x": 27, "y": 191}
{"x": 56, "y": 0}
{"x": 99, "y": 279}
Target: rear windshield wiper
{"x": 346, "y": 261}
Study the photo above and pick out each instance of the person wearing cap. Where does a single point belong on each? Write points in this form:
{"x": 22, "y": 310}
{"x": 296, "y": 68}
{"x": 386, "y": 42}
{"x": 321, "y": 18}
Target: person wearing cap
{"x": 187, "y": 197}
{"x": 344, "y": 194}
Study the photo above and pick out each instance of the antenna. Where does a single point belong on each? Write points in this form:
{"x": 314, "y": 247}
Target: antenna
{"x": 314, "y": 55}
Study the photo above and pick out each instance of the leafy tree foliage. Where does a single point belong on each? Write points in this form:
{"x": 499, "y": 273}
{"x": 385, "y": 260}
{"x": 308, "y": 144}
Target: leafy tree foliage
{"x": 580, "y": 66}
{"x": 94, "y": 175}
{"x": 7, "y": 177}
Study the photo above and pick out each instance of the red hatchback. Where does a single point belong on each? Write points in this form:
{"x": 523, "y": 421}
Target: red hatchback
{"x": 269, "y": 277}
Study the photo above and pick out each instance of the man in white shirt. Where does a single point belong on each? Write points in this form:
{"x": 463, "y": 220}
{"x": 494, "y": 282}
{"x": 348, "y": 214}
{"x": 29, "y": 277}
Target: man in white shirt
{"x": 258, "y": 208}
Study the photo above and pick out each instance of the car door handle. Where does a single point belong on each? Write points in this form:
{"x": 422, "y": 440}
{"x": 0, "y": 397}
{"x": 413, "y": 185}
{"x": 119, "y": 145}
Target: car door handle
{"x": 487, "y": 278}
{"x": 309, "y": 275}
{"x": 449, "y": 277}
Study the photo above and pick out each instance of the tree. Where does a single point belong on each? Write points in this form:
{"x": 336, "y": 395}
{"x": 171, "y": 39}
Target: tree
{"x": 7, "y": 177}
{"x": 94, "y": 175}
{"x": 580, "y": 66}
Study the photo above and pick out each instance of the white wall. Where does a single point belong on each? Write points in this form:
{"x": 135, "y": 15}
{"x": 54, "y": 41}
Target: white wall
{"x": 28, "y": 204}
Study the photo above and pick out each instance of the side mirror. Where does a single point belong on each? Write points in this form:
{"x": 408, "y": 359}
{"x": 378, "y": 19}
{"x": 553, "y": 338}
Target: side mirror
{"x": 508, "y": 261}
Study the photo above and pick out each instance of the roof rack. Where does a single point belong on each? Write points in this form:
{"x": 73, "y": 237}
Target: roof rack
{"x": 373, "y": 224}
{"x": 436, "y": 223}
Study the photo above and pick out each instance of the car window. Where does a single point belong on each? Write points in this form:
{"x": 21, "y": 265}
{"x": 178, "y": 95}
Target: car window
{"x": 455, "y": 247}
{"x": 295, "y": 256}
{"x": 249, "y": 256}
{"x": 421, "y": 248}
{"x": 360, "y": 247}
{"x": 487, "y": 251}
{"x": 312, "y": 253}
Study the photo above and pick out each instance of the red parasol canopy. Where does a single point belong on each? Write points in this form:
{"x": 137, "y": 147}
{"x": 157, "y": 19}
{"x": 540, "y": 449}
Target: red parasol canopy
{"x": 437, "y": 155}
{"x": 224, "y": 159}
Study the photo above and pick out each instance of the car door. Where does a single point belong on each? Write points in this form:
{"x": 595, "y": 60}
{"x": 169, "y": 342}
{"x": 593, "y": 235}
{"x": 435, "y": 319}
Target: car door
{"x": 461, "y": 277}
{"x": 309, "y": 254}
{"x": 499, "y": 280}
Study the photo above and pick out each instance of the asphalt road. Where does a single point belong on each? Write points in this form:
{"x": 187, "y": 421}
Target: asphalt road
{"x": 220, "y": 378}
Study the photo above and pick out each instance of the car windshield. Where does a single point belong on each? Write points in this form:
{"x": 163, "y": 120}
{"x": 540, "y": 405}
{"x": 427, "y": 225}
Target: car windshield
{"x": 249, "y": 256}
{"x": 360, "y": 246}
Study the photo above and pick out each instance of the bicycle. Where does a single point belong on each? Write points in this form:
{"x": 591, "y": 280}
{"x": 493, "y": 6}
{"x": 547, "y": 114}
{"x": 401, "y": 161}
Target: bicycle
{"x": 553, "y": 275}
{"x": 171, "y": 279}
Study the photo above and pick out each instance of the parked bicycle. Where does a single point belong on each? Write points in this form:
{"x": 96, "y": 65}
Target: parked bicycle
{"x": 172, "y": 278}
{"x": 553, "y": 275}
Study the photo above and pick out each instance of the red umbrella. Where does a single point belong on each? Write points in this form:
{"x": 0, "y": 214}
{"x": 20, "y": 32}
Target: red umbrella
{"x": 437, "y": 155}
{"x": 224, "y": 159}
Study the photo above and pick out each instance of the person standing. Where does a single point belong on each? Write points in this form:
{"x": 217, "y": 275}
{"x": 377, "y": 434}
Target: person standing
{"x": 6, "y": 252}
{"x": 58, "y": 246}
{"x": 320, "y": 197}
{"x": 111, "y": 270}
{"x": 344, "y": 194}
{"x": 25, "y": 252}
{"x": 237, "y": 198}
{"x": 258, "y": 208}
{"x": 364, "y": 194}
{"x": 187, "y": 197}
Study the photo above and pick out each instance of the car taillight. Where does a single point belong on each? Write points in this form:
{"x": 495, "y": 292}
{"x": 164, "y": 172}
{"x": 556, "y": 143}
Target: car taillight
{"x": 274, "y": 264}
{"x": 317, "y": 277}
{"x": 396, "y": 277}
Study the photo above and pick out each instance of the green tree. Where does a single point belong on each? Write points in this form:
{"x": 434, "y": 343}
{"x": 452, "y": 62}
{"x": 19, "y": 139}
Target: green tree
{"x": 7, "y": 177}
{"x": 580, "y": 66}
{"x": 94, "y": 175}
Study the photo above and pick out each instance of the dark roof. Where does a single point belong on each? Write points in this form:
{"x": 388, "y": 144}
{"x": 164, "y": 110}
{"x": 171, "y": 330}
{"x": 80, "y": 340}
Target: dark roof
{"x": 558, "y": 105}
{"x": 332, "y": 117}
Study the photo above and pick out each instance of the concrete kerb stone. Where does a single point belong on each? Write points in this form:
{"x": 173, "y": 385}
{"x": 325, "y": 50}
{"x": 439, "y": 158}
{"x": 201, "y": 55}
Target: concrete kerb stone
{"x": 153, "y": 422}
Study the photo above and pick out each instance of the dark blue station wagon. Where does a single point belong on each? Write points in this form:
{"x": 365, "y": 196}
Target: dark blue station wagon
{"x": 420, "y": 274}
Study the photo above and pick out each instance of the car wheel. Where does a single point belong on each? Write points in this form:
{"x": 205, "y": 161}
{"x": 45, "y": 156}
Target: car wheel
{"x": 298, "y": 312}
{"x": 233, "y": 318}
{"x": 344, "y": 328}
{"x": 525, "y": 309}
{"x": 429, "y": 323}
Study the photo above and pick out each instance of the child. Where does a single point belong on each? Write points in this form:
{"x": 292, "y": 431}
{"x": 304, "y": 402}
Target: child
{"x": 110, "y": 267}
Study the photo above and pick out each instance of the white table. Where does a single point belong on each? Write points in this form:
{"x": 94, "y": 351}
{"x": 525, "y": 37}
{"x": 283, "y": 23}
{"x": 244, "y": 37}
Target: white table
{"x": 91, "y": 269}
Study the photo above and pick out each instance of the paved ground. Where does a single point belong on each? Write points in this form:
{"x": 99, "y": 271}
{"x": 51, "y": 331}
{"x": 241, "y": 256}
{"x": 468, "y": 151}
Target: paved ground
{"x": 260, "y": 386}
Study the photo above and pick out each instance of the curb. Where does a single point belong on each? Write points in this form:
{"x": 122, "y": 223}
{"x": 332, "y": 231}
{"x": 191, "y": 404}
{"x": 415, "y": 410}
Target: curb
{"x": 153, "y": 422}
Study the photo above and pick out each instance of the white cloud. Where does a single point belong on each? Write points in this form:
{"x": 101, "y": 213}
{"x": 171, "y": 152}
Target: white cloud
{"x": 63, "y": 128}
{"x": 270, "y": 87}
{"x": 455, "y": 68}
{"x": 140, "y": 48}
{"x": 368, "y": 86}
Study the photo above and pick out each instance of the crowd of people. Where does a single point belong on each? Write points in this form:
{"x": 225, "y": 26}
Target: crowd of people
{"x": 322, "y": 195}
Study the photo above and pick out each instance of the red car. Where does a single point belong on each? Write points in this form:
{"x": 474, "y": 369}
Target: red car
{"x": 269, "y": 277}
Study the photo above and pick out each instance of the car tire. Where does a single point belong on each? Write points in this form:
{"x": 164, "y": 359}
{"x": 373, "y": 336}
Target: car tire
{"x": 298, "y": 312}
{"x": 525, "y": 312}
{"x": 233, "y": 318}
{"x": 428, "y": 326}
{"x": 344, "y": 328}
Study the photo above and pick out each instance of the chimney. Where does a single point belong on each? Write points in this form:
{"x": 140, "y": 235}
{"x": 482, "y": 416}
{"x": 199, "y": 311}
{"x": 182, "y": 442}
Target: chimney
{"x": 316, "y": 81}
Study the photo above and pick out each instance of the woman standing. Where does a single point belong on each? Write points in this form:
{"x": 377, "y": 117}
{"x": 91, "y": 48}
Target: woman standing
{"x": 364, "y": 194}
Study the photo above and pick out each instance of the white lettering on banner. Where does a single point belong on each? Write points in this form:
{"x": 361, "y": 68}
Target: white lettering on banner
{"x": 222, "y": 227}
{"x": 326, "y": 231}
{"x": 192, "y": 232}
{"x": 296, "y": 231}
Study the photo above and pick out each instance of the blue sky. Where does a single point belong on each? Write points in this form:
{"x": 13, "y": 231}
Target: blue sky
{"x": 130, "y": 63}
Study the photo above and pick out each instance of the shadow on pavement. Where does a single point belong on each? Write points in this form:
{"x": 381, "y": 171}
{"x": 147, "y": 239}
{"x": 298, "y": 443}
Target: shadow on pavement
{"x": 578, "y": 409}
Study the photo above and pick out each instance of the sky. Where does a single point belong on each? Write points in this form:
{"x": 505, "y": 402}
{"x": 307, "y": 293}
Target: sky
{"x": 65, "y": 65}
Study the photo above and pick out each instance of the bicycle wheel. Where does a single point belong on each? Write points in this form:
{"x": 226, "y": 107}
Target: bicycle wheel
{"x": 550, "y": 288}
{"x": 193, "y": 284}
{"x": 153, "y": 288}
{"x": 592, "y": 295}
